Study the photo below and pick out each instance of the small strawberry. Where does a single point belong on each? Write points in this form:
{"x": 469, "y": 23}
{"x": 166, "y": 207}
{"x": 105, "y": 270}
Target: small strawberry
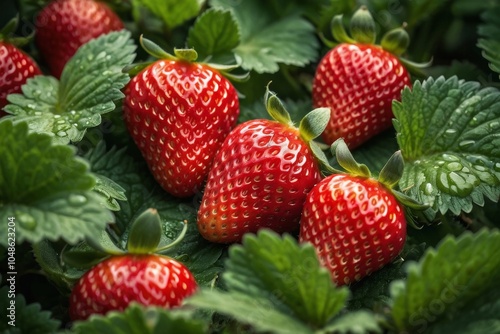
{"x": 261, "y": 175}
{"x": 15, "y": 66}
{"x": 356, "y": 222}
{"x": 137, "y": 276}
{"x": 178, "y": 112}
{"x": 358, "y": 80}
{"x": 65, "y": 25}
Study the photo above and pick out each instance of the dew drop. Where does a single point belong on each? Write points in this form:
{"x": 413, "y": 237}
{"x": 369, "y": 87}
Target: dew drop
{"x": 450, "y": 132}
{"x": 466, "y": 143}
{"x": 428, "y": 189}
{"x": 62, "y": 133}
{"x": 454, "y": 166}
{"x": 26, "y": 220}
{"x": 77, "y": 200}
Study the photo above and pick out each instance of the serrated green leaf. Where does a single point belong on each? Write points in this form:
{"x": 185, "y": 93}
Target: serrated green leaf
{"x": 90, "y": 84}
{"x": 46, "y": 188}
{"x": 82, "y": 256}
{"x": 256, "y": 311}
{"x": 277, "y": 268}
{"x": 359, "y": 322}
{"x": 447, "y": 132}
{"x": 447, "y": 279}
{"x": 138, "y": 319}
{"x": 22, "y": 318}
{"x": 214, "y": 32}
{"x": 267, "y": 40}
{"x": 481, "y": 316}
{"x": 173, "y": 13}
{"x": 490, "y": 33}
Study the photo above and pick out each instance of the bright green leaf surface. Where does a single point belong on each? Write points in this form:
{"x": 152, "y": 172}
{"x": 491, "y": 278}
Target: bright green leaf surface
{"x": 447, "y": 279}
{"x": 137, "y": 319}
{"x": 46, "y": 188}
{"x": 173, "y": 12}
{"x": 215, "y": 32}
{"x": 267, "y": 41}
{"x": 359, "y": 322}
{"x": 448, "y": 132}
{"x": 90, "y": 84}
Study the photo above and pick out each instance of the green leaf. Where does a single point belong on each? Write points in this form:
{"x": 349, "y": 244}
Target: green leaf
{"x": 214, "y": 32}
{"x": 448, "y": 135}
{"x": 138, "y": 319}
{"x": 268, "y": 41}
{"x": 447, "y": 279}
{"x": 359, "y": 322}
{"x": 22, "y": 318}
{"x": 46, "y": 188}
{"x": 256, "y": 311}
{"x": 173, "y": 13}
{"x": 490, "y": 33}
{"x": 282, "y": 278}
{"x": 90, "y": 84}
{"x": 314, "y": 123}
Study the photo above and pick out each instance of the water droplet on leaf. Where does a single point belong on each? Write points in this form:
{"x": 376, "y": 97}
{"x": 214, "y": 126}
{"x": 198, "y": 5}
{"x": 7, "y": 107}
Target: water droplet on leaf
{"x": 26, "y": 220}
{"x": 77, "y": 200}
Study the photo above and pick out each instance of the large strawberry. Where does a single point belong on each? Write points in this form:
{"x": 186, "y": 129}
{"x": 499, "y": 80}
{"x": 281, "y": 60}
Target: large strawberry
{"x": 359, "y": 80}
{"x": 65, "y": 25}
{"x": 140, "y": 276}
{"x": 178, "y": 112}
{"x": 356, "y": 222}
{"x": 261, "y": 175}
{"x": 15, "y": 65}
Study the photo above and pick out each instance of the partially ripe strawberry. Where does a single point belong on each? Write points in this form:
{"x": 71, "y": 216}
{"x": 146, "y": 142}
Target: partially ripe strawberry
{"x": 178, "y": 113}
{"x": 139, "y": 274}
{"x": 358, "y": 80}
{"x": 149, "y": 279}
{"x": 261, "y": 176}
{"x": 355, "y": 222}
{"x": 65, "y": 25}
{"x": 15, "y": 65}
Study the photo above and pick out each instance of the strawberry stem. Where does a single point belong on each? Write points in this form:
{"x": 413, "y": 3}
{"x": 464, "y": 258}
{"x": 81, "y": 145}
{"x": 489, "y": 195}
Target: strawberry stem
{"x": 154, "y": 49}
{"x": 346, "y": 159}
{"x": 396, "y": 41}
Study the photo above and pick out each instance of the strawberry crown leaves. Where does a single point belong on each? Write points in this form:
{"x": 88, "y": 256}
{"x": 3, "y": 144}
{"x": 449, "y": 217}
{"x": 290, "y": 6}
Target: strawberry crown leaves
{"x": 186, "y": 55}
{"x": 145, "y": 233}
{"x": 363, "y": 31}
{"x": 8, "y": 30}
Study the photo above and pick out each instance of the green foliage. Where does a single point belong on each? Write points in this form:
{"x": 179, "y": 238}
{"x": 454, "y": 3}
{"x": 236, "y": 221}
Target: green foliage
{"x": 267, "y": 42}
{"x": 278, "y": 286}
{"x": 490, "y": 41}
{"x": 27, "y": 318}
{"x": 46, "y": 189}
{"x": 172, "y": 12}
{"x": 90, "y": 84}
{"x": 437, "y": 288}
{"x": 138, "y": 319}
{"x": 447, "y": 131}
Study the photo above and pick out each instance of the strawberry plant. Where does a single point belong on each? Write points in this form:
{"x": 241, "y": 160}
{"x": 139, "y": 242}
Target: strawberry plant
{"x": 146, "y": 188}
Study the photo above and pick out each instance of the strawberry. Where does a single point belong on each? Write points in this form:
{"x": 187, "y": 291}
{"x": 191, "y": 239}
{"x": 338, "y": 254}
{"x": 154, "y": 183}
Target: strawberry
{"x": 15, "y": 65}
{"x": 178, "y": 112}
{"x": 65, "y": 25}
{"x": 358, "y": 80}
{"x": 355, "y": 222}
{"x": 137, "y": 275}
{"x": 261, "y": 175}
{"x": 149, "y": 279}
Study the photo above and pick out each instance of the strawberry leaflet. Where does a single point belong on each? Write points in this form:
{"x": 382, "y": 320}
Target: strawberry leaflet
{"x": 89, "y": 86}
{"x": 448, "y": 135}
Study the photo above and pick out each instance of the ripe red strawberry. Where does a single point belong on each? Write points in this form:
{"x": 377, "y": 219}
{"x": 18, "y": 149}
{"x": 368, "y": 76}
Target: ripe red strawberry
{"x": 15, "y": 65}
{"x": 65, "y": 25}
{"x": 355, "y": 222}
{"x": 138, "y": 275}
{"x": 178, "y": 113}
{"x": 359, "y": 80}
{"x": 148, "y": 279}
{"x": 261, "y": 176}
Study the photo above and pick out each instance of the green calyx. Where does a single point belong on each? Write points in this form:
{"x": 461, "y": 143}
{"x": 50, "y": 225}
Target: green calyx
{"x": 363, "y": 31}
{"x": 145, "y": 233}
{"x": 6, "y": 34}
{"x": 181, "y": 55}
{"x": 310, "y": 127}
{"x": 389, "y": 175}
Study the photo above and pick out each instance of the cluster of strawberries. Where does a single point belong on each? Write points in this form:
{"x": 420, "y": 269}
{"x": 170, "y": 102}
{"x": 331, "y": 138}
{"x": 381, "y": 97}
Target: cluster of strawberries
{"x": 259, "y": 174}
